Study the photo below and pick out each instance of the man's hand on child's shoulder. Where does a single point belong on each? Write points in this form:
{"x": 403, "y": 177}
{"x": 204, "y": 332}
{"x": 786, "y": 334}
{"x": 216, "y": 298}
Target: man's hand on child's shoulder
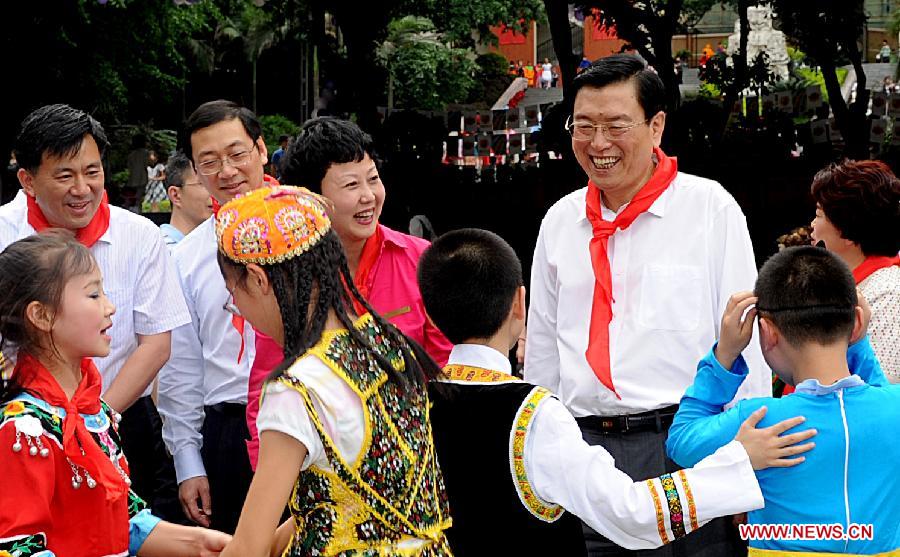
{"x": 736, "y": 329}
{"x": 767, "y": 448}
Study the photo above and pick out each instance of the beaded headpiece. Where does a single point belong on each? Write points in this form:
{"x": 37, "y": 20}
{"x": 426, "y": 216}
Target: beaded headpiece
{"x": 270, "y": 225}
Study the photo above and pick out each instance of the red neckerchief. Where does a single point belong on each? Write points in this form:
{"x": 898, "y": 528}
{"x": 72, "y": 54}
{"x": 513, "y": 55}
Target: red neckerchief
{"x": 872, "y": 264}
{"x": 237, "y": 321}
{"x": 597, "y": 353}
{"x": 78, "y": 444}
{"x": 367, "y": 259}
{"x": 87, "y": 235}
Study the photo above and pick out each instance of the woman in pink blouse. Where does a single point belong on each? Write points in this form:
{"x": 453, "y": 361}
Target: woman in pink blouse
{"x": 336, "y": 158}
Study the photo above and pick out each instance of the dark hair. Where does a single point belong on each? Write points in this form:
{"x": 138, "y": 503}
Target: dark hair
{"x": 35, "y": 268}
{"x": 651, "y": 93}
{"x": 57, "y": 130}
{"x": 862, "y": 200}
{"x": 809, "y": 294}
{"x": 283, "y": 137}
{"x": 468, "y": 279}
{"x": 307, "y": 287}
{"x": 213, "y": 112}
{"x": 175, "y": 168}
{"x": 322, "y": 142}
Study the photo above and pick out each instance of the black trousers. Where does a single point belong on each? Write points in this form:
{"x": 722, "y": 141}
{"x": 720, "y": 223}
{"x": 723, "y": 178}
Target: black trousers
{"x": 227, "y": 463}
{"x": 151, "y": 466}
{"x": 642, "y": 455}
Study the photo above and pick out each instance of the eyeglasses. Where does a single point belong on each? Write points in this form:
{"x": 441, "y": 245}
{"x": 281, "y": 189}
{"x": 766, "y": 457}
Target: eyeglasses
{"x": 230, "y": 307}
{"x": 214, "y": 166}
{"x": 585, "y": 131}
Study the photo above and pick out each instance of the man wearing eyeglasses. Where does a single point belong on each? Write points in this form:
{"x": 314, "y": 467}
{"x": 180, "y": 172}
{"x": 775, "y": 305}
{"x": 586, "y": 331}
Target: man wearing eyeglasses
{"x": 629, "y": 277}
{"x": 191, "y": 202}
{"x": 203, "y": 387}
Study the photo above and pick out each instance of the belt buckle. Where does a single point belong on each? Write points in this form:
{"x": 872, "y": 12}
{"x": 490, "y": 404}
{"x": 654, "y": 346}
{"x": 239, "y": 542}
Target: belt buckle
{"x": 607, "y": 424}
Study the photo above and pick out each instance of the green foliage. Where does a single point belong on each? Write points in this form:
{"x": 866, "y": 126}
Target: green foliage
{"x": 425, "y": 72}
{"x": 710, "y": 92}
{"x": 456, "y": 19}
{"x": 491, "y": 78}
{"x": 273, "y": 126}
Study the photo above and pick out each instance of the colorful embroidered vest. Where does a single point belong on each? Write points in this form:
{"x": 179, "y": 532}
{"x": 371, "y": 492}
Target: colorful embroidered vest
{"x": 396, "y": 495}
{"x": 481, "y": 419}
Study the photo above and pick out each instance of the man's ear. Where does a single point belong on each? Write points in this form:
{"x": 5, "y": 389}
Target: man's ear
{"x": 38, "y": 315}
{"x": 263, "y": 152}
{"x": 769, "y": 335}
{"x": 257, "y": 280}
{"x": 26, "y": 179}
{"x": 174, "y": 193}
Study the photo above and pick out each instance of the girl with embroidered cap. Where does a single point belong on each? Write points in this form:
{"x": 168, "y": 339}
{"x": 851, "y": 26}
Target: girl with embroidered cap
{"x": 345, "y": 437}
{"x": 64, "y": 489}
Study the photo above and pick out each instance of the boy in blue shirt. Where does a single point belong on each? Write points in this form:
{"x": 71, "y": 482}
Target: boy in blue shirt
{"x": 808, "y": 311}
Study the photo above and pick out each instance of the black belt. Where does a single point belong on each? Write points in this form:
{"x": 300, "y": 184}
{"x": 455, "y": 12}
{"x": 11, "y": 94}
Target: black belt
{"x": 654, "y": 420}
{"x": 231, "y": 409}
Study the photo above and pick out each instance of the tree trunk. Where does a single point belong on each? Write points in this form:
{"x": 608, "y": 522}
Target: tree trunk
{"x": 253, "y": 69}
{"x": 732, "y": 94}
{"x": 558, "y": 18}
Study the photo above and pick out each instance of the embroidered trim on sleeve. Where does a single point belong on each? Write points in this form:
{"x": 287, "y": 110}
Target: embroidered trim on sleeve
{"x": 676, "y": 513}
{"x": 660, "y": 520}
{"x": 541, "y": 510}
{"x": 689, "y": 495}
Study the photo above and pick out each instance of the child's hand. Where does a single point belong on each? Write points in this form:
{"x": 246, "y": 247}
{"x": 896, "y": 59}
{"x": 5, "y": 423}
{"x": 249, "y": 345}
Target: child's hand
{"x": 735, "y": 333}
{"x": 767, "y": 448}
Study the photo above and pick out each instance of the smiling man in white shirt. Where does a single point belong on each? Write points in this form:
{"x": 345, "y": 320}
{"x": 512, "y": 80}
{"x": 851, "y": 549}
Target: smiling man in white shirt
{"x": 203, "y": 387}
{"x": 60, "y": 151}
{"x": 629, "y": 277}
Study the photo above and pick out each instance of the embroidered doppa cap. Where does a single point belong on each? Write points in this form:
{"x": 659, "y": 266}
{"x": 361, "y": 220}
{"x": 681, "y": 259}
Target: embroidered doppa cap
{"x": 270, "y": 225}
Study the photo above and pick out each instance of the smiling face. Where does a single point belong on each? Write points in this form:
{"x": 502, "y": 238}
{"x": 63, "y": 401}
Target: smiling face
{"x": 619, "y": 166}
{"x": 357, "y": 193}
{"x": 68, "y": 189}
{"x": 228, "y": 138}
{"x": 81, "y": 325}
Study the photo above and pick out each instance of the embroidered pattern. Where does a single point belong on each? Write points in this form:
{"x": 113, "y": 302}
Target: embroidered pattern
{"x": 521, "y": 427}
{"x": 676, "y": 514}
{"x": 225, "y": 219}
{"x": 36, "y": 422}
{"x": 251, "y": 237}
{"x": 472, "y": 374}
{"x": 396, "y": 491}
{"x": 689, "y": 495}
{"x": 34, "y": 545}
{"x": 660, "y": 521}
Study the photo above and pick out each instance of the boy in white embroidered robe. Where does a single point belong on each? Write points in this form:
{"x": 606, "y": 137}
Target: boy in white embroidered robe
{"x": 512, "y": 455}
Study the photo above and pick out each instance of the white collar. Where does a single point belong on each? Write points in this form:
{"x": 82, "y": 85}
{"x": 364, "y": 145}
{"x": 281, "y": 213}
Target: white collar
{"x": 479, "y": 355}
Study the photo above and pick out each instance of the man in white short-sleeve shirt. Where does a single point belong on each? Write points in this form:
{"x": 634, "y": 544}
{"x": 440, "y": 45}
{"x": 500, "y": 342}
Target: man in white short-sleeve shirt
{"x": 630, "y": 277}
{"x": 59, "y": 149}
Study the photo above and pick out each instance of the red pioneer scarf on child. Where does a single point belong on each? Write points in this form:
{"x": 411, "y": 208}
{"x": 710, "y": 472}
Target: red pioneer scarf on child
{"x": 597, "y": 353}
{"x": 87, "y": 235}
{"x": 78, "y": 444}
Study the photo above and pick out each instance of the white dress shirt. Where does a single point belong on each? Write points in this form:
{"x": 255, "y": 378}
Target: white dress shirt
{"x": 673, "y": 271}
{"x": 564, "y": 470}
{"x": 138, "y": 277}
{"x": 203, "y": 369}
